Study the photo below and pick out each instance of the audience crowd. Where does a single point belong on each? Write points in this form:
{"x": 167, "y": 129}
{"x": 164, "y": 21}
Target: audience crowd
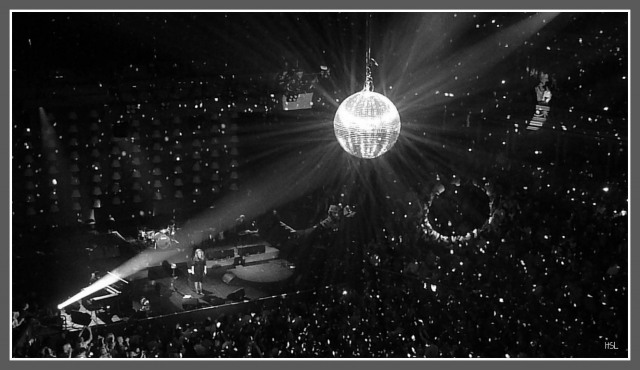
{"x": 547, "y": 277}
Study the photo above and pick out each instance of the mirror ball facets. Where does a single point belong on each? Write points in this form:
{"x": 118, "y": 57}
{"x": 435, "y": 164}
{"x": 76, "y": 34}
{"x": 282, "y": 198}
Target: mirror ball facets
{"x": 367, "y": 124}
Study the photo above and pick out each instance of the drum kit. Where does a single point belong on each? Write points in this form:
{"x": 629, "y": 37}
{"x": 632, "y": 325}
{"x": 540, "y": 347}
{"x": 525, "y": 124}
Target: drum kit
{"x": 161, "y": 239}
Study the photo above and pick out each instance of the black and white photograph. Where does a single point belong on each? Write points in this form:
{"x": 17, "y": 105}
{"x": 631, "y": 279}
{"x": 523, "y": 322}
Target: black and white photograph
{"x": 319, "y": 184}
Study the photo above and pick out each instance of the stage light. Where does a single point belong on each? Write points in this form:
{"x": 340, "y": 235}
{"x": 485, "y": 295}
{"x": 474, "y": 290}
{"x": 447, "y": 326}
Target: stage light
{"x": 105, "y": 281}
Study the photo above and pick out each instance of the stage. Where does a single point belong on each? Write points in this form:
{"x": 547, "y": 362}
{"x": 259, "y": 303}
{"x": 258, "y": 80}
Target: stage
{"x": 234, "y": 274}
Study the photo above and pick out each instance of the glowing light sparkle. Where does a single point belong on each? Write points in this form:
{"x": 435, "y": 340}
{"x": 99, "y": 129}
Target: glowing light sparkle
{"x": 367, "y": 124}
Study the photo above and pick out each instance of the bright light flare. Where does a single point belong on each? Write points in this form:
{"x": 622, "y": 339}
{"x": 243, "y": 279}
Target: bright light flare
{"x": 137, "y": 263}
{"x": 367, "y": 124}
{"x": 267, "y": 187}
{"x": 104, "y": 282}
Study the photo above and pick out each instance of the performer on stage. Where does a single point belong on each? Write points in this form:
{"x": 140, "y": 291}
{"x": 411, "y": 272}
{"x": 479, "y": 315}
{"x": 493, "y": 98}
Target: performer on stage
{"x": 198, "y": 269}
{"x": 171, "y": 229}
{"x": 243, "y": 230}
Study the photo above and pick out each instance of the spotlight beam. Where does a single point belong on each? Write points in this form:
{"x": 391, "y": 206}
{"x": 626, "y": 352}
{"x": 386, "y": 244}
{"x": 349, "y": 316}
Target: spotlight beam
{"x": 121, "y": 279}
{"x": 278, "y": 184}
{"x": 137, "y": 263}
{"x": 473, "y": 61}
{"x": 102, "y": 283}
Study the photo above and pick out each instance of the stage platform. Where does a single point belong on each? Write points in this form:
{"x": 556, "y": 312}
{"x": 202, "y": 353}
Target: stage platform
{"x": 245, "y": 272}
{"x": 218, "y": 256}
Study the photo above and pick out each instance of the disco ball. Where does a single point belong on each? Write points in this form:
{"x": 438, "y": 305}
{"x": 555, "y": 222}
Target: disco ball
{"x": 367, "y": 124}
